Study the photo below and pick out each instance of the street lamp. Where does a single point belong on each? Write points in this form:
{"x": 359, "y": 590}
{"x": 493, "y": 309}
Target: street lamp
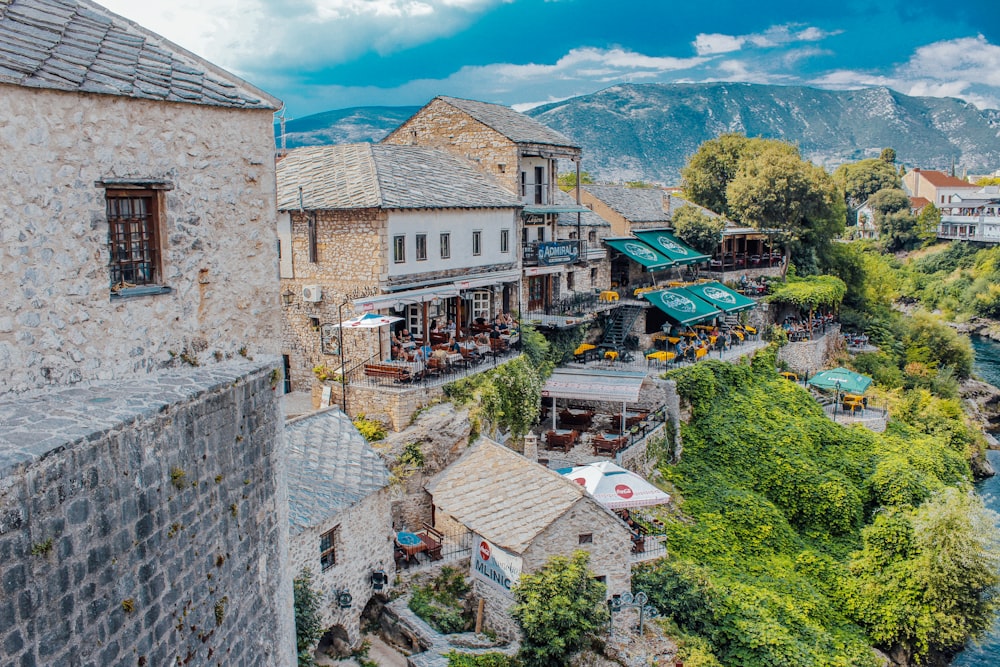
{"x": 629, "y": 601}
{"x": 323, "y": 328}
{"x": 836, "y": 400}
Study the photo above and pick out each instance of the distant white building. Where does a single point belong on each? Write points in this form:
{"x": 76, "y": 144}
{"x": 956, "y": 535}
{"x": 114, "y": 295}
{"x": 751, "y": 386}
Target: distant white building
{"x": 972, "y": 217}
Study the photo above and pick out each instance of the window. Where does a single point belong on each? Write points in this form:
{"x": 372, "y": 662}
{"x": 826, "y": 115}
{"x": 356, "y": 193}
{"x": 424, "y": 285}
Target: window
{"x": 541, "y": 234}
{"x": 421, "y": 247}
{"x": 571, "y": 281}
{"x": 504, "y": 240}
{"x": 592, "y": 236}
{"x": 477, "y": 243}
{"x": 133, "y": 237}
{"x": 445, "y": 246}
{"x": 328, "y": 543}
{"x": 481, "y": 304}
{"x": 593, "y": 277}
{"x": 399, "y": 249}
{"x": 586, "y": 538}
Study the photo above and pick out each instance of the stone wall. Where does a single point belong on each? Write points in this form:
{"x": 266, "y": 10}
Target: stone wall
{"x": 351, "y": 251}
{"x": 394, "y": 407}
{"x": 365, "y": 545}
{"x": 440, "y": 125}
{"x": 811, "y": 356}
{"x": 609, "y": 551}
{"x": 145, "y": 522}
{"x": 219, "y": 240}
{"x": 496, "y": 610}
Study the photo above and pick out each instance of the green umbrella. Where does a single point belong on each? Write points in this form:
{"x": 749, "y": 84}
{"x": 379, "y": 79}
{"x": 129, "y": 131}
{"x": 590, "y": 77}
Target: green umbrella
{"x": 841, "y": 379}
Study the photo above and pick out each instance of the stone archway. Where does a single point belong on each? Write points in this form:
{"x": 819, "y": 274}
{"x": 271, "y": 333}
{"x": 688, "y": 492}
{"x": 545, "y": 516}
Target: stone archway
{"x": 333, "y": 645}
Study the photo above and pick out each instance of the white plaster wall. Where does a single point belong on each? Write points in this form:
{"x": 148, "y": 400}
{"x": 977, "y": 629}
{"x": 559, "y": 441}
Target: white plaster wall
{"x": 460, "y": 224}
{"x": 58, "y": 324}
{"x": 527, "y": 166}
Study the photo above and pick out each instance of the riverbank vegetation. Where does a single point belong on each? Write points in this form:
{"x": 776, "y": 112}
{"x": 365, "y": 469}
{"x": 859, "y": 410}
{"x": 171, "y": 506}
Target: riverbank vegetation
{"x": 806, "y": 543}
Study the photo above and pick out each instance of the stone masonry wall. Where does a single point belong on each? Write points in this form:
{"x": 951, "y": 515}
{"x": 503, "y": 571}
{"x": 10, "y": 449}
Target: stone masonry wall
{"x": 351, "y": 249}
{"x": 219, "y": 241}
{"x": 609, "y": 552}
{"x": 396, "y": 408}
{"x": 145, "y": 522}
{"x": 440, "y": 125}
{"x": 365, "y": 545}
{"x": 810, "y": 356}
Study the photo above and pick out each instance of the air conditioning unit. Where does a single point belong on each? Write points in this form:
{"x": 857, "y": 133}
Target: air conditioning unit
{"x": 312, "y": 293}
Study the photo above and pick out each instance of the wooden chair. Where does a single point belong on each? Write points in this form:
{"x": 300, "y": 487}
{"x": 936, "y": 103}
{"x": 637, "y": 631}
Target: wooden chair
{"x": 433, "y": 539}
{"x": 604, "y": 445}
{"x": 563, "y": 441}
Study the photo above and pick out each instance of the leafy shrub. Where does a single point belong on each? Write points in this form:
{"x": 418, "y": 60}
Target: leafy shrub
{"x": 372, "y": 429}
{"x": 456, "y": 659}
{"x": 308, "y": 625}
{"x": 442, "y": 602}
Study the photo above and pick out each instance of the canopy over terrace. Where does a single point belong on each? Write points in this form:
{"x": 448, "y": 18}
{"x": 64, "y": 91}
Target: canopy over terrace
{"x": 592, "y": 385}
{"x": 722, "y": 297}
{"x": 668, "y": 244}
{"x": 647, "y": 257}
{"x": 841, "y": 379}
{"x": 681, "y": 306}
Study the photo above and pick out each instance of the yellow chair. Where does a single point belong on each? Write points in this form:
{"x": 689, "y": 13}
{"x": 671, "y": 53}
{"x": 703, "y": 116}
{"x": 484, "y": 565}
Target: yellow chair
{"x": 789, "y": 376}
{"x": 610, "y": 354}
{"x": 608, "y": 296}
{"x": 673, "y": 340}
{"x": 700, "y": 352}
{"x": 750, "y": 330}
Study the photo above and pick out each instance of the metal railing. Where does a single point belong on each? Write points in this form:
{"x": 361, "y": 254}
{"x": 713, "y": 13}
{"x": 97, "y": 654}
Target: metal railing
{"x": 419, "y": 376}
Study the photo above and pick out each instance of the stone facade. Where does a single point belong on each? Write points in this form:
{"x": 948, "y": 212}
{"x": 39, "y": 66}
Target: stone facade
{"x": 365, "y": 545}
{"x": 145, "y": 522}
{"x": 440, "y": 125}
{"x": 218, "y": 239}
{"x": 811, "y": 356}
{"x": 350, "y": 251}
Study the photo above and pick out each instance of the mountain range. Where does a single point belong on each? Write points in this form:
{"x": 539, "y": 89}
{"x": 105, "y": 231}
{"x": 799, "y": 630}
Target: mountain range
{"x": 648, "y": 131}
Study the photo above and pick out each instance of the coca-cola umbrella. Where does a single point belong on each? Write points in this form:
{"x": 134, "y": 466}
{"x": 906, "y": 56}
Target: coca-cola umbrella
{"x": 368, "y": 321}
{"x": 614, "y": 486}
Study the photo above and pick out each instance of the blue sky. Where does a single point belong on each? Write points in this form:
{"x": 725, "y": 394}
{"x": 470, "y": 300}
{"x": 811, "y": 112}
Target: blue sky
{"x": 318, "y": 55}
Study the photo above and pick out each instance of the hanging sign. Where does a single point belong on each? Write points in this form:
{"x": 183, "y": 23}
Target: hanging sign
{"x": 497, "y": 567}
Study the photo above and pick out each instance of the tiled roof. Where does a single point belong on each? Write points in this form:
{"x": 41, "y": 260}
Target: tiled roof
{"x": 634, "y": 204}
{"x": 588, "y": 219}
{"x": 939, "y": 179}
{"x": 77, "y": 45}
{"x": 503, "y": 496}
{"x": 353, "y": 176}
{"x": 330, "y": 468}
{"x": 674, "y": 202}
{"x": 917, "y": 203}
{"x": 515, "y": 126}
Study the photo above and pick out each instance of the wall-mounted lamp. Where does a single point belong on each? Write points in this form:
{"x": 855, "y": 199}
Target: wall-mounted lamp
{"x": 436, "y": 301}
{"x": 343, "y": 599}
{"x": 287, "y": 297}
{"x": 379, "y": 579}
{"x": 399, "y": 307}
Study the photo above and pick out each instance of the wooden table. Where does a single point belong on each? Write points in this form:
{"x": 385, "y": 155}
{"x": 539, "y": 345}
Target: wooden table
{"x": 561, "y": 438}
{"x": 661, "y": 356}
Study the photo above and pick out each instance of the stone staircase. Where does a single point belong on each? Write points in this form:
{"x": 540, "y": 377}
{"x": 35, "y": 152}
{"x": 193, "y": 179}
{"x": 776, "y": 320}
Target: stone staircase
{"x": 619, "y": 326}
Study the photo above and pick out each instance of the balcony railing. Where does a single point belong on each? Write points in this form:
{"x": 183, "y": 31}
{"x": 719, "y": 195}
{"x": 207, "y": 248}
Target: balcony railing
{"x": 970, "y": 232}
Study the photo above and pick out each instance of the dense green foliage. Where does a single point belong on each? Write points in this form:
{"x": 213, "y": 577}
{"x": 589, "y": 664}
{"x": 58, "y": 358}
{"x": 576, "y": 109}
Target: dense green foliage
{"x": 699, "y": 230}
{"x": 764, "y": 183}
{"x": 786, "y": 511}
{"x": 372, "y": 429}
{"x": 508, "y": 396}
{"x": 959, "y": 279}
{"x": 441, "y": 602}
{"x": 860, "y": 180}
{"x": 567, "y": 180}
{"x": 810, "y": 293}
{"x": 456, "y": 659}
{"x": 559, "y": 608}
{"x": 308, "y": 627}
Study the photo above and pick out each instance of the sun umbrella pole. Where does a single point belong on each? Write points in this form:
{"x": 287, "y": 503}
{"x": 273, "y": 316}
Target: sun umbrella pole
{"x": 553, "y": 413}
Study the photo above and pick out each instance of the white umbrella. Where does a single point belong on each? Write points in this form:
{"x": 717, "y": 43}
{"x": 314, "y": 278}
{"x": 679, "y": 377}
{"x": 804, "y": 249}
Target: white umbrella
{"x": 615, "y": 487}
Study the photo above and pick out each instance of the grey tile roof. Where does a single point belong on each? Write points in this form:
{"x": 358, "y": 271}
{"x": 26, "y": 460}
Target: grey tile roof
{"x": 353, "y": 176}
{"x": 588, "y": 219}
{"x": 634, "y": 204}
{"x": 515, "y": 126}
{"x": 330, "y": 467}
{"x": 77, "y": 45}
{"x": 503, "y": 496}
{"x": 674, "y": 202}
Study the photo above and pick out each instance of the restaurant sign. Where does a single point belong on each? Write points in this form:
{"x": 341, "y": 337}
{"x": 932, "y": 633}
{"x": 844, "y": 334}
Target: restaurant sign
{"x": 497, "y": 567}
{"x": 558, "y": 252}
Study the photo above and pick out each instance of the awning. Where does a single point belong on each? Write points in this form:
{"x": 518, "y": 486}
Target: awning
{"x": 722, "y": 297}
{"x": 584, "y": 384}
{"x": 681, "y": 306}
{"x": 539, "y": 209}
{"x": 841, "y": 379}
{"x": 405, "y": 297}
{"x": 641, "y": 253}
{"x": 498, "y": 278}
{"x": 668, "y": 244}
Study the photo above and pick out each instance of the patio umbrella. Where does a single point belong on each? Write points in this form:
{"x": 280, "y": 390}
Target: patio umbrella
{"x": 368, "y": 321}
{"x": 841, "y": 379}
{"x": 614, "y": 486}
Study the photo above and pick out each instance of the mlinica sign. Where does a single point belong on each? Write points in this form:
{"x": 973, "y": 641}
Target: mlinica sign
{"x": 495, "y": 566}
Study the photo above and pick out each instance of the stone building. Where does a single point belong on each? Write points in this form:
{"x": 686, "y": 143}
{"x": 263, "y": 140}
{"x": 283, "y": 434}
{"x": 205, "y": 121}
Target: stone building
{"x": 143, "y": 517}
{"x": 523, "y": 155}
{"x": 936, "y": 186}
{"x": 341, "y": 530}
{"x": 526, "y": 514}
{"x": 406, "y": 231}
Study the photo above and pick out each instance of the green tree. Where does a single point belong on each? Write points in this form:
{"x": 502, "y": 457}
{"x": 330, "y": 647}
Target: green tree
{"x": 928, "y": 222}
{"x": 897, "y": 226}
{"x": 559, "y": 608}
{"x": 567, "y": 180}
{"x": 860, "y": 180}
{"x": 888, "y": 156}
{"x": 716, "y": 163}
{"x": 798, "y": 202}
{"x": 511, "y": 400}
{"x": 699, "y": 230}
{"x": 989, "y": 180}
{"x": 308, "y": 627}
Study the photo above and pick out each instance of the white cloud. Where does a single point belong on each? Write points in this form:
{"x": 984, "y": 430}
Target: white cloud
{"x": 714, "y": 43}
{"x": 967, "y": 68}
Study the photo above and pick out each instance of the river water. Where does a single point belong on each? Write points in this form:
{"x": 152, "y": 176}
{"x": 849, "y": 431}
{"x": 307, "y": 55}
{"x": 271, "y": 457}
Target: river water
{"x": 988, "y": 368}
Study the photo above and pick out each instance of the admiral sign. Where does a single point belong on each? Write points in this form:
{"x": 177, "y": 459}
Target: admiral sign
{"x": 495, "y": 566}
{"x": 558, "y": 252}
